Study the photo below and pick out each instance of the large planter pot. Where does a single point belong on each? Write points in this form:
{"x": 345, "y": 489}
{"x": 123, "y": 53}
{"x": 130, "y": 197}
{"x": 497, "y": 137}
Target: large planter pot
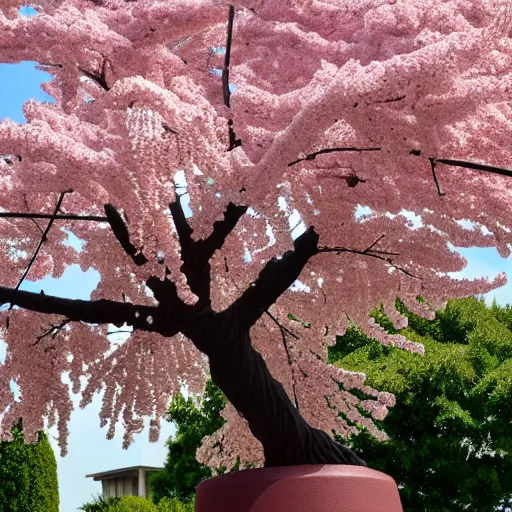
{"x": 314, "y": 488}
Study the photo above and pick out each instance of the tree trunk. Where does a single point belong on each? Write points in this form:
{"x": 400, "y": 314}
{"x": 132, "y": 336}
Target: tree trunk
{"x": 242, "y": 374}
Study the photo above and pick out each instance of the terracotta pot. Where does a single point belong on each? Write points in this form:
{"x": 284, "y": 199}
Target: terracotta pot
{"x": 314, "y": 488}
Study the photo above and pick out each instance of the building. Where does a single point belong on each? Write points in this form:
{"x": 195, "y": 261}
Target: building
{"x": 132, "y": 481}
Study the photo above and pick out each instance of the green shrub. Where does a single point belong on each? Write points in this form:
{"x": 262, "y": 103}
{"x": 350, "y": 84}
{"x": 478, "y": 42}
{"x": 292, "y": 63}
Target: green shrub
{"x": 138, "y": 504}
{"x": 99, "y": 504}
{"x": 134, "y": 504}
{"x": 176, "y": 505}
{"x": 28, "y": 475}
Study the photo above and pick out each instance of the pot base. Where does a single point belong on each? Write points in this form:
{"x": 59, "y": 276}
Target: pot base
{"x": 312, "y": 488}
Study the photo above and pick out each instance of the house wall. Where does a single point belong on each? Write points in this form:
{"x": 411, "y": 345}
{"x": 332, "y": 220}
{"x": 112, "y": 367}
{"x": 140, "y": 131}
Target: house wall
{"x": 118, "y": 487}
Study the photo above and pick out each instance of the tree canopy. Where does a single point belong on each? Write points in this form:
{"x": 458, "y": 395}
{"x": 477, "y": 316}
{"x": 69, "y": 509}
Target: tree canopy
{"x": 28, "y": 475}
{"x": 225, "y": 165}
{"x": 450, "y": 445}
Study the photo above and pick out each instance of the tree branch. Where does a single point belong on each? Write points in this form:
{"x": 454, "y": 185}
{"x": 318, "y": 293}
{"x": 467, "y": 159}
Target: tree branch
{"x": 196, "y": 255}
{"x": 25, "y": 202}
{"x": 369, "y": 248}
{"x": 312, "y": 156}
{"x": 225, "y": 70}
{"x": 121, "y": 233}
{"x": 434, "y": 175}
{"x": 90, "y": 311}
{"x": 468, "y": 165}
{"x": 233, "y": 141}
{"x": 284, "y": 331}
{"x": 183, "y": 230}
{"x": 380, "y": 255}
{"x": 477, "y": 167}
{"x": 221, "y": 230}
{"x": 226, "y": 93}
{"x": 99, "y": 78}
{"x": 281, "y": 326}
{"x": 64, "y": 216}
{"x": 43, "y": 239}
{"x": 275, "y": 278}
{"x": 53, "y": 330}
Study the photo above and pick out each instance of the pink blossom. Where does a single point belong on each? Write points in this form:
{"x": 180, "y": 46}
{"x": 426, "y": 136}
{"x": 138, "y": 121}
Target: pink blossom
{"x": 404, "y": 84}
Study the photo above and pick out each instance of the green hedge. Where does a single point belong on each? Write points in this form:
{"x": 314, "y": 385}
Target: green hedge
{"x": 138, "y": 504}
{"x": 28, "y": 475}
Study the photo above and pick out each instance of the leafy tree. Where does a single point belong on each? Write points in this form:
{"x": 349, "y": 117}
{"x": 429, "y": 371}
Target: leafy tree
{"x": 194, "y": 420}
{"x": 28, "y": 475}
{"x": 325, "y": 107}
{"x": 450, "y": 444}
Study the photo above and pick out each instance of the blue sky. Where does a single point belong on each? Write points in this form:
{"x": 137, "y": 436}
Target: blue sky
{"x": 89, "y": 451}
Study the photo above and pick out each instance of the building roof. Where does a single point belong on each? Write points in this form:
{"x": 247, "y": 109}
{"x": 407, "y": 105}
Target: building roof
{"x": 104, "y": 475}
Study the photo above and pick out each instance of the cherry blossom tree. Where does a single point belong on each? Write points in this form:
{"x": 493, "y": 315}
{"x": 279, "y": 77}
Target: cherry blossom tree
{"x": 248, "y": 180}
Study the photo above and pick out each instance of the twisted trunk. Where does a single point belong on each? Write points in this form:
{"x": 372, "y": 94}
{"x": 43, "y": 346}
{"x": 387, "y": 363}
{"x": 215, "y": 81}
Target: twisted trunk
{"x": 242, "y": 374}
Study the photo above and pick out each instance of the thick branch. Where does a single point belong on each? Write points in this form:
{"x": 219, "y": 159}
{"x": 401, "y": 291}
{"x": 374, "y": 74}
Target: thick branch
{"x": 196, "y": 254}
{"x": 183, "y": 230}
{"x": 233, "y": 141}
{"x": 121, "y": 233}
{"x": 90, "y": 311}
{"x": 242, "y": 374}
{"x": 275, "y": 278}
{"x": 221, "y": 230}
{"x": 195, "y": 268}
